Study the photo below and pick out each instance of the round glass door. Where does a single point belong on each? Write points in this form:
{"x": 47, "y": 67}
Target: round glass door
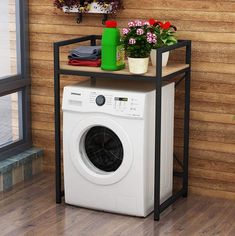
{"x": 103, "y": 148}
{"x": 100, "y": 150}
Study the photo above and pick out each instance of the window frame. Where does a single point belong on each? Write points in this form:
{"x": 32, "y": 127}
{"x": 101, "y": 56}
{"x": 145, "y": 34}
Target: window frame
{"x": 20, "y": 82}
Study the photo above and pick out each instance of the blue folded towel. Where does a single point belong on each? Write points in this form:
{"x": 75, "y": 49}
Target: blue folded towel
{"x": 85, "y": 53}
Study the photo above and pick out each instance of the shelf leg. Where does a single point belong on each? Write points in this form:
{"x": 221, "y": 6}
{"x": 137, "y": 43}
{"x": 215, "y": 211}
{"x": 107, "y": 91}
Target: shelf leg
{"x": 93, "y": 42}
{"x": 186, "y": 134}
{"x": 93, "y": 81}
{"x": 157, "y": 150}
{"x": 57, "y": 124}
{"x": 186, "y": 121}
{"x": 158, "y": 104}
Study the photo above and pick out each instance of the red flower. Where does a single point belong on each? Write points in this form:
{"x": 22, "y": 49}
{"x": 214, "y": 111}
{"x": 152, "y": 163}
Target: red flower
{"x": 161, "y": 24}
{"x": 152, "y": 21}
{"x": 165, "y": 26}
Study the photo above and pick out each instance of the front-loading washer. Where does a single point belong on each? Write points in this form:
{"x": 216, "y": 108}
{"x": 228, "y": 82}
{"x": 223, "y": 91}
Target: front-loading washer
{"x": 109, "y": 144}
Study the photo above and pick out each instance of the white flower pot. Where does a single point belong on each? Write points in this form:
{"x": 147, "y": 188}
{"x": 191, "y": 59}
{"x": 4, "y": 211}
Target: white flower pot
{"x": 165, "y": 57}
{"x": 94, "y": 8}
{"x": 138, "y": 65}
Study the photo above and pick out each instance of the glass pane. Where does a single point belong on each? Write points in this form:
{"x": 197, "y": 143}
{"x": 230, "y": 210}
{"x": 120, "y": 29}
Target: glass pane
{"x": 103, "y": 148}
{"x": 10, "y": 119}
{"x": 8, "y": 44}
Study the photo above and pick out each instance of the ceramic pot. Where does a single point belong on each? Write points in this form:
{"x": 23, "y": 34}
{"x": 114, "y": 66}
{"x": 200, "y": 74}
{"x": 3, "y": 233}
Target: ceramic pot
{"x": 138, "y": 65}
{"x": 165, "y": 57}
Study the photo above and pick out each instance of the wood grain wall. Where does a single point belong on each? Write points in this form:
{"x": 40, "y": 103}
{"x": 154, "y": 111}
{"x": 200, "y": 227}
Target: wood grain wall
{"x": 210, "y": 25}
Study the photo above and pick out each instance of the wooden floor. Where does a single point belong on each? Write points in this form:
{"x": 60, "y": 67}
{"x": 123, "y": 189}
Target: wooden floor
{"x": 29, "y": 209}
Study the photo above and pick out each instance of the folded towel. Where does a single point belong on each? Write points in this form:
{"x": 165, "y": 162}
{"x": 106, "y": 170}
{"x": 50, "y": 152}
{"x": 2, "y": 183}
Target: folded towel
{"x": 92, "y": 63}
{"x": 90, "y": 57}
{"x": 88, "y": 52}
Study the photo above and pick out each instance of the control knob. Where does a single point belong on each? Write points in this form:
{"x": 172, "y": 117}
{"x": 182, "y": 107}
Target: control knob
{"x": 100, "y": 100}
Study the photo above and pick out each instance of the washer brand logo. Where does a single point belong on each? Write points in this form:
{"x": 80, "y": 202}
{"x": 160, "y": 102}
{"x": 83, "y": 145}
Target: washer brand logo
{"x": 79, "y": 94}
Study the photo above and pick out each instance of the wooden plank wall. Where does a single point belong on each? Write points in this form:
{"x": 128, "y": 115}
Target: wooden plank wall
{"x": 210, "y": 25}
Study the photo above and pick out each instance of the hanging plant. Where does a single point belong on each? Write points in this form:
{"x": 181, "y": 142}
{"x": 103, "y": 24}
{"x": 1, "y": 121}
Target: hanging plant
{"x": 98, "y": 6}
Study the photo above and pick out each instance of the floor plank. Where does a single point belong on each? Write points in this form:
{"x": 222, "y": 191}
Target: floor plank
{"x": 29, "y": 209}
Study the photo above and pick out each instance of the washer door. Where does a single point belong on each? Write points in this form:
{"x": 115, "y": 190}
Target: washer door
{"x": 101, "y": 150}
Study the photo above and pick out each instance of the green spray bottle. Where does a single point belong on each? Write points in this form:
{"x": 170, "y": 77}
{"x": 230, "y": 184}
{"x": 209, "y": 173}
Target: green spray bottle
{"x": 112, "y": 51}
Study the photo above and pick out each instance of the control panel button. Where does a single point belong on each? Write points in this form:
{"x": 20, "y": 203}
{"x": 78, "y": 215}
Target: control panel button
{"x": 100, "y": 100}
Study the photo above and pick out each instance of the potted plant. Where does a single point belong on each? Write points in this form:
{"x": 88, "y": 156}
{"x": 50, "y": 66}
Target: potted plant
{"x": 89, "y": 6}
{"x": 138, "y": 41}
{"x": 165, "y": 37}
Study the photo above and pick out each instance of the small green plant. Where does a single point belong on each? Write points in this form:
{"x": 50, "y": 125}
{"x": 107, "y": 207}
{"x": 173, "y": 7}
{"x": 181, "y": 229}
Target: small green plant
{"x": 165, "y": 33}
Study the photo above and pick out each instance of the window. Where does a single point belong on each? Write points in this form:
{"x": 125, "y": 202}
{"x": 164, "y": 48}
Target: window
{"x": 14, "y": 78}
{"x": 8, "y": 39}
{"x": 11, "y": 119}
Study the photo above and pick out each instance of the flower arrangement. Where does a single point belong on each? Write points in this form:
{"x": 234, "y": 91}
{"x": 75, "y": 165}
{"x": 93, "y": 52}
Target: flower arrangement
{"x": 111, "y": 6}
{"x": 138, "y": 39}
{"x": 165, "y": 33}
{"x": 142, "y": 38}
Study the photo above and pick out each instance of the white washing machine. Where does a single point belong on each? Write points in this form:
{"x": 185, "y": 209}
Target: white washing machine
{"x": 109, "y": 143}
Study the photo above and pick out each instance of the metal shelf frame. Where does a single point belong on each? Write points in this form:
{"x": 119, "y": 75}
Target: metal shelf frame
{"x": 158, "y": 79}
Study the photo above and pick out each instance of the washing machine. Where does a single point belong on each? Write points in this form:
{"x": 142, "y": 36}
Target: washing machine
{"x": 109, "y": 145}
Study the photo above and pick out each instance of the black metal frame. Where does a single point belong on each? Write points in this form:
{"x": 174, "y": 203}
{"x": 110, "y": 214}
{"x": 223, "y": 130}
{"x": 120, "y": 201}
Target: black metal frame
{"x": 20, "y": 82}
{"x": 158, "y": 208}
{"x": 79, "y": 18}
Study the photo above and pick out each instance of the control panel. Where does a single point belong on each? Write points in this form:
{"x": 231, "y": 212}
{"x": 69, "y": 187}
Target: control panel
{"x": 112, "y": 102}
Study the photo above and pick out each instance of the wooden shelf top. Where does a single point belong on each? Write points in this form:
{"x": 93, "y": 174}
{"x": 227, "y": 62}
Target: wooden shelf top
{"x": 169, "y": 69}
